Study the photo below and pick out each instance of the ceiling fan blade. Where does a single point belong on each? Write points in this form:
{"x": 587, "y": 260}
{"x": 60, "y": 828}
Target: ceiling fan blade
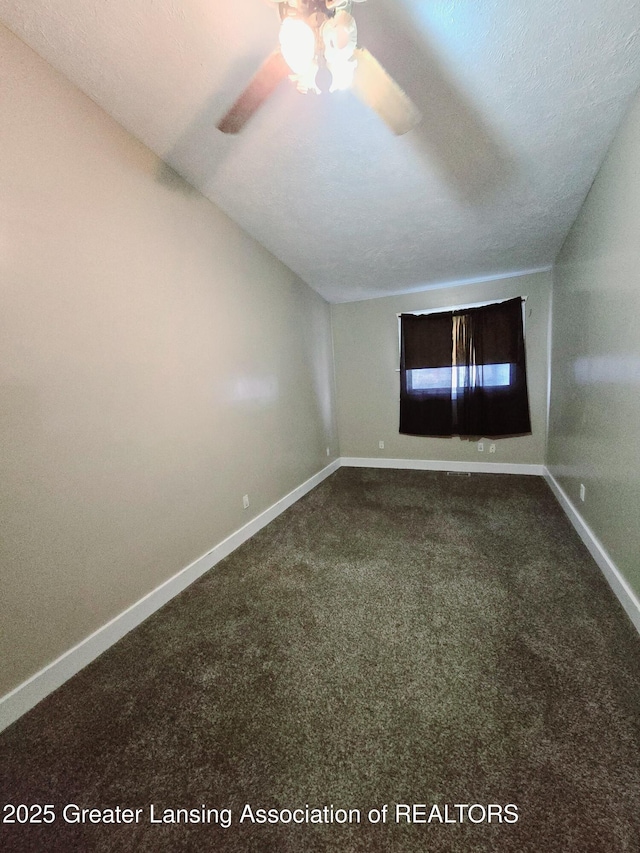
{"x": 266, "y": 79}
{"x": 381, "y": 93}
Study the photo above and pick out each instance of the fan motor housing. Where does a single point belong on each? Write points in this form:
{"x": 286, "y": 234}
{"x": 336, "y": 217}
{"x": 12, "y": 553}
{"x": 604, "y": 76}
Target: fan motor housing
{"x": 307, "y": 8}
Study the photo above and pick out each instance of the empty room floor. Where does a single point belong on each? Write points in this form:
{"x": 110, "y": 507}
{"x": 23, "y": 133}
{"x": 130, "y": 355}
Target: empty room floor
{"x": 402, "y": 661}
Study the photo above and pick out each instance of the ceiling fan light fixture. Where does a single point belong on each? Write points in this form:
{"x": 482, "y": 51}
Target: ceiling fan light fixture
{"x": 315, "y": 33}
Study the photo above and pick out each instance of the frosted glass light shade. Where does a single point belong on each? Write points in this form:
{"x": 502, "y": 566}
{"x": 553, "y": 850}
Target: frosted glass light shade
{"x": 298, "y": 44}
{"x": 342, "y": 74}
{"x": 340, "y": 36}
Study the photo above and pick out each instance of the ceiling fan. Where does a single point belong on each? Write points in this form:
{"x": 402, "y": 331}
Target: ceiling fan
{"x": 315, "y": 34}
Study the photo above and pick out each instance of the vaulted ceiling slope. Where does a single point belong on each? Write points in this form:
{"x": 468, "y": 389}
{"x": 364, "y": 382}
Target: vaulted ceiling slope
{"x": 520, "y": 101}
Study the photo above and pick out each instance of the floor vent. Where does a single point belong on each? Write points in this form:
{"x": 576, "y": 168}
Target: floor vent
{"x": 458, "y": 473}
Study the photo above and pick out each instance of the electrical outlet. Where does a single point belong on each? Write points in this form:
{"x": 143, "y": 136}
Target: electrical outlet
{"x": 245, "y": 501}
{"x": 381, "y": 445}
{"x": 480, "y": 446}
{"x": 492, "y": 448}
{"x": 582, "y": 491}
{"x": 328, "y": 452}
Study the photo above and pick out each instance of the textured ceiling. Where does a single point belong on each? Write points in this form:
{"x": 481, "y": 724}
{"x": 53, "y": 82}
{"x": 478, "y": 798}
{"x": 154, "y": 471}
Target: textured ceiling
{"x": 520, "y": 101}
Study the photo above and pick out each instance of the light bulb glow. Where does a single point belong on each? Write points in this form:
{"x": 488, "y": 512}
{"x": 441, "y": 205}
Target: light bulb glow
{"x": 341, "y": 74}
{"x": 306, "y": 82}
{"x": 298, "y": 44}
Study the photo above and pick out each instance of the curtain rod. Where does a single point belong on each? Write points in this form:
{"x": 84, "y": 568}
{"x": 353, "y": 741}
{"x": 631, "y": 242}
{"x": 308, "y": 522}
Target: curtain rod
{"x": 461, "y": 307}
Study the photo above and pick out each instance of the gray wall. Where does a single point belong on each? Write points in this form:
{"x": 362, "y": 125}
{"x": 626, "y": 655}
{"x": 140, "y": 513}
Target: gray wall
{"x": 366, "y": 354}
{"x": 155, "y": 365}
{"x": 594, "y": 435}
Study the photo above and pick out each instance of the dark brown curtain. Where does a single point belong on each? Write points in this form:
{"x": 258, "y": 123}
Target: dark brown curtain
{"x": 464, "y": 372}
{"x": 426, "y": 342}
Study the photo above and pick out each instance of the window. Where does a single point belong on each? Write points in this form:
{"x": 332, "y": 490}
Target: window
{"x": 454, "y": 378}
{"x": 463, "y": 372}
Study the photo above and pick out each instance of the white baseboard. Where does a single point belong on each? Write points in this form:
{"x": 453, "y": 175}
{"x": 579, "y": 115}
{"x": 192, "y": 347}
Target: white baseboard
{"x": 443, "y": 465}
{"x": 626, "y": 596}
{"x": 33, "y": 690}
{"x": 24, "y": 697}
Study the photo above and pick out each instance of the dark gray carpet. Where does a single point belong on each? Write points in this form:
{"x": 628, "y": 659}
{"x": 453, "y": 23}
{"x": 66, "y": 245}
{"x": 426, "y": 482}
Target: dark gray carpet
{"x": 396, "y": 637}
